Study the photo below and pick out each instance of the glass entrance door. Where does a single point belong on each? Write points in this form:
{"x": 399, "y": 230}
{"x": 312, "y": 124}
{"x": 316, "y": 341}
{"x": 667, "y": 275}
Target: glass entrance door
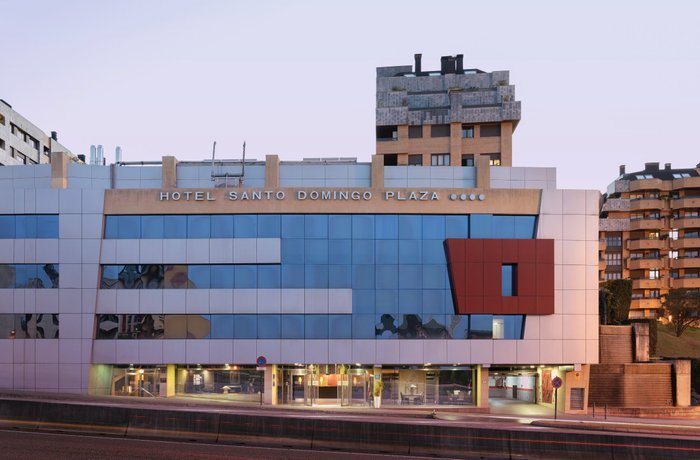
{"x": 359, "y": 380}
{"x": 310, "y": 385}
{"x": 343, "y": 385}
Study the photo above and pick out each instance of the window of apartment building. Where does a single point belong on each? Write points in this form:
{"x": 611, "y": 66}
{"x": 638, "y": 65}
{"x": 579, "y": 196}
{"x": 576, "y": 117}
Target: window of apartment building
{"x": 387, "y": 133}
{"x": 636, "y": 216}
{"x": 2, "y": 119}
{"x": 440, "y": 159}
{"x": 391, "y": 159}
{"x": 2, "y": 144}
{"x": 672, "y": 254}
{"x": 440, "y": 131}
{"x": 614, "y": 258}
{"x": 653, "y": 215}
{"x": 613, "y": 241}
{"x": 495, "y": 159}
{"x": 636, "y": 196}
{"x": 652, "y": 255}
{"x": 673, "y": 234}
{"x": 467, "y": 131}
{"x": 613, "y": 275}
{"x": 644, "y": 176}
{"x": 654, "y": 274}
{"x": 468, "y": 159}
{"x": 691, "y": 254}
{"x": 636, "y": 255}
{"x": 415, "y": 160}
{"x": 653, "y": 293}
{"x": 680, "y": 175}
{"x": 653, "y": 235}
{"x": 673, "y": 274}
{"x": 490, "y": 130}
{"x": 415, "y": 132}
{"x": 509, "y": 275}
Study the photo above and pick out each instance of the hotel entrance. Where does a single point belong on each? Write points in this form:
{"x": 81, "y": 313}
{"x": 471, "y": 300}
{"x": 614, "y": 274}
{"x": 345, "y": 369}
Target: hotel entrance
{"x": 325, "y": 384}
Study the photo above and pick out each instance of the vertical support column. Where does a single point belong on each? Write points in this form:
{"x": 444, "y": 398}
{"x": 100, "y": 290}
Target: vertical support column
{"x": 576, "y": 380}
{"x": 377, "y": 171}
{"x": 270, "y": 394}
{"x": 169, "y": 175}
{"x": 681, "y": 377}
{"x": 456, "y": 144}
{"x": 272, "y": 171}
{"x": 507, "y": 143}
{"x": 59, "y": 169}
{"x": 170, "y": 385}
{"x": 483, "y": 171}
{"x": 482, "y": 387}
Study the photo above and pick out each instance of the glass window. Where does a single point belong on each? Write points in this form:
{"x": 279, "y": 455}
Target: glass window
{"x": 468, "y": 159}
{"x": 339, "y": 251}
{"x": 434, "y": 327}
{"x": 175, "y": 326}
{"x": 525, "y": 226}
{"x": 387, "y": 251}
{"x": 363, "y": 301}
{"x": 25, "y": 276}
{"x": 245, "y": 226}
{"x": 198, "y": 226}
{"x": 467, "y": 131}
{"x": 198, "y": 326}
{"x": 245, "y": 327}
{"x": 387, "y": 301}
{"x": 434, "y": 300}
{"x": 221, "y": 326}
{"x": 387, "y": 276}
{"x": 433, "y": 227}
{"x": 316, "y": 251}
{"x": 481, "y": 226}
{"x": 176, "y": 277}
{"x": 457, "y": 226}
{"x": 339, "y": 326}
{"x": 363, "y": 327}
{"x": 221, "y": 226}
{"x": 509, "y": 280}
{"x": 434, "y": 276}
{"x": 386, "y": 326}
{"x": 410, "y": 301}
{"x": 362, "y": 226}
{"x": 293, "y": 226}
{"x": 7, "y": 227}
{"x": 339, "y": 276}
{"x": 152, "y": 227}
{"x": 363, "y": 251}
{"x": 245, "y": 276}
{"x": 410, "y": 227}
{"x": 481, "y": 327}
{"x": 292, "y": 326}
{"x": 269, "y": 226}
{"x": 25, "y": 226}
{"x": 440, "y": 159}
{"x": 129, "y": 227}
{"x": 222, "y": 277}
{"x": 316, "y": 326}
{"x": 415, "y": 159}
{"x": 199, "y": 276}
{"x": 110, "y": 276}
{"x": 434, "y": 252}
{"x": 386, "y": 227}
{"x": 503, "y": 226}
{"x": 458, "y": 326}
{"x": 439, "y": 130}
{"x": 292, "y": 276}
{"x": 415, "y": 132}
{"x": 410, "y": 276}
{"x": 175, "y": 227}
{"x": 316, "y": 276}
{"x": 292, "y": 250}
{"x": 410, "y": 251}
{"x": 47, "y": 226}
{"x": 48, "y": 275}
{"x": 268, "y": 277}
{"x": 363, "y": 276}
{"x": 316, "y": 226}
{"x": 339, "y": 226}
{"x": 268, "y": 326}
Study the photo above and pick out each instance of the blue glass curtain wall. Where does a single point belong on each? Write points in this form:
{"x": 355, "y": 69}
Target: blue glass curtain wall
{"x": 29, "y": 226}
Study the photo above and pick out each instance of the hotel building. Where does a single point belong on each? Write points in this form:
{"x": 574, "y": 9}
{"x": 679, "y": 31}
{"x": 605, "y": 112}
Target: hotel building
{"x": 304, "y": 282}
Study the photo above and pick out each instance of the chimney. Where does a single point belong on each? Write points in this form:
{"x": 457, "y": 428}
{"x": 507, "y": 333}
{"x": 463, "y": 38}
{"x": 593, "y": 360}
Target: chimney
{"x": 667, "y": 166}
{"x": 54, "y": 135}
{"x": 417, "y": 57}
{"x": 622, "y": 170}
{"x": 460, "y": 63}
{"x": 651, "y": 166}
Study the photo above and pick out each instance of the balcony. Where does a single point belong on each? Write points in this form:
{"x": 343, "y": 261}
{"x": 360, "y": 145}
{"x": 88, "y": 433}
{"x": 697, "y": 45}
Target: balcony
{"x": 649, "y": 284}
{"x": 646, "y": 224}
{"x": 686, "y": 222}
{"x": 638, "y": 264}
{"x": 647, "y": 203}
{"x": 688, "y": 202}
{"x": 681, "y": 243}
{"x": 685, "y": 283}
{"x": 645, "y": 304}
{"x": 649, "y": 184}
{"x": 646, "y": 244}
{"x": 688, "y": 262}
{"x": 686, "y": 182}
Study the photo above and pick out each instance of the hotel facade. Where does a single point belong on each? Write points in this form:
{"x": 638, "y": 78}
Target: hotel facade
{"x": 308, "y": 282}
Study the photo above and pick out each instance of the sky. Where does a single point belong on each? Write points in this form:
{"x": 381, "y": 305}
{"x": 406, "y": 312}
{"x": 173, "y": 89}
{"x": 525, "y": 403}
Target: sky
{"x": 601, "y": 83}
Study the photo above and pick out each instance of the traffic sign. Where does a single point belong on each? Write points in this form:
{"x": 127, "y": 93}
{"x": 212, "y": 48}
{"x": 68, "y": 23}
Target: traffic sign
{"x": 557, "y": 382}
{"x": 261, "y": 361}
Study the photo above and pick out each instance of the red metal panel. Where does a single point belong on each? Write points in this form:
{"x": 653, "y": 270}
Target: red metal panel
{"x": 456, "y": 250}
{"x": 475, "y": 278}
{"x": 545, "y": 305}
{"x": 473, "y": 304}
{"x": 475, "y": 250}
{"x": 492, "y": 251}
{"x": 510, "y": 305}
{"x": 493, "y": 304}
{"x": 545, "y": 251}
{"x": 527, "y": 305}
{"x": 545, "y": 279}
{"x": 510, "y": 251}
{"x": 527, "y": 251}
{"x": 492, "y": 278}
{"x": 527, "y": 279}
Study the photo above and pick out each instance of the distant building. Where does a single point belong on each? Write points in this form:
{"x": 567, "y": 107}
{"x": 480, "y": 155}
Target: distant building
{"x": 22, "y": 142}
{"x": 445, "y": 117}
{"x": 650, "y": 233}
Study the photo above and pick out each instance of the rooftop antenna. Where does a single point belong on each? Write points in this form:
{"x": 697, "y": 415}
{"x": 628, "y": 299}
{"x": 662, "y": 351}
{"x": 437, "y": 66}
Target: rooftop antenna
{"x": 226, "y": 175}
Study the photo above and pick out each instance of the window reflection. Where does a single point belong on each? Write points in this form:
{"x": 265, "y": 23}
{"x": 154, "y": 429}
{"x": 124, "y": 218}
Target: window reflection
{"x": 29, "y": 326}
{"x": 29, "y": 276}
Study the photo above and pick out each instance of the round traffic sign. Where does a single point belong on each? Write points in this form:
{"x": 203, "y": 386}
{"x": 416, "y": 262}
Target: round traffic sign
{"x": 556, "y": 382}
{"x": 261, "y": 361}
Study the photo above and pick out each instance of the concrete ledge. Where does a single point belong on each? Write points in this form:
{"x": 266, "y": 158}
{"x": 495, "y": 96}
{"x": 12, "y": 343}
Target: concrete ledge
{"x": 620, "y": 427}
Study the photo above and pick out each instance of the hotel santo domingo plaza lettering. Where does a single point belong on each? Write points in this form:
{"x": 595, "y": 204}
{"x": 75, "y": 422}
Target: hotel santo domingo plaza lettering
{"x": 317, "y": 195}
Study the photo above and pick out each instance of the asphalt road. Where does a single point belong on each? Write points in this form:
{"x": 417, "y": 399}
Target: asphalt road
{"x": 49, "y": 446}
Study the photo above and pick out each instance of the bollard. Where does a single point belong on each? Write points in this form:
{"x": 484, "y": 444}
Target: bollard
{"x": 606, "y": 411}
{"x": 594, "y": 410}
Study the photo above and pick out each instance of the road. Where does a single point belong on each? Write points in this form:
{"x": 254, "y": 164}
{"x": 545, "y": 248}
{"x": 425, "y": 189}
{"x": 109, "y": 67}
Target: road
{"x": 49, "y": 446}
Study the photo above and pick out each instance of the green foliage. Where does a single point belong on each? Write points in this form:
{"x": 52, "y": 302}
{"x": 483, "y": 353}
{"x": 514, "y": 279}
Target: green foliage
{"x": 616, "y": 296}
{"x": 378, "y": 387}
{"x": 682, "y": 307}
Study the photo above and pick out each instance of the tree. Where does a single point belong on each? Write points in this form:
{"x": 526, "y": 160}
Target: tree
{"x": 615, "y": 298}
{"x": 682, "y": 307}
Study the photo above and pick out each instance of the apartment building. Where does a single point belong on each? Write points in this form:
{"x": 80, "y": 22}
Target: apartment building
{"x": 650, "y": 233}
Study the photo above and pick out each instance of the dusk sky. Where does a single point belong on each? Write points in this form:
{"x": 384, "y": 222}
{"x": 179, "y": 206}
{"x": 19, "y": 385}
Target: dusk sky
{"x": 601, "y": 83}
